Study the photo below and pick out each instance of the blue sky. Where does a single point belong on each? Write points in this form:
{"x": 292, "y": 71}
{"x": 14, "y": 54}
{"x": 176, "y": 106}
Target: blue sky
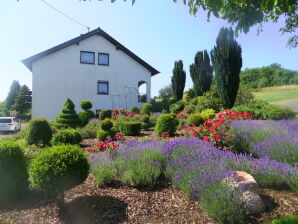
{"x": 160, "y": 32}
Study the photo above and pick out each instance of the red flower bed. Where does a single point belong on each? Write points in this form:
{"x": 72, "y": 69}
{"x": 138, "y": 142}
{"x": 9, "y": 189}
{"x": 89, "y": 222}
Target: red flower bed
{"x": 216, "y": 130}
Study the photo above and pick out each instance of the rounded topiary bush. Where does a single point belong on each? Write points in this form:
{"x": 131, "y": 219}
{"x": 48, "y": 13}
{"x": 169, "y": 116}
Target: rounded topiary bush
{"x": 131, "y": 128}
{"x": 39, "y": 132}
{"x": 86, "y": 104}
{"x": 166, "y": 123}
{"x": 106, "y": 124}
{"x": 104, "y": 114}
{"x": 146, "y": 109}
{"x": 13, "y": 171}
{"x": 59, "y": 168}
{"x": 112, "y": 132}
{"x": 195, "y": 119}
{"x": 135, "y": 109}
{"x": 145, "y": 119}
{"x": 67, "y": 136}
{"x": 102, "y": 135}
{"x": 85, "y": 116}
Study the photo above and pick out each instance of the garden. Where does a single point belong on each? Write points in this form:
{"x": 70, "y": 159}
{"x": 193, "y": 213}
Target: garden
{"x": 213, "y": 154}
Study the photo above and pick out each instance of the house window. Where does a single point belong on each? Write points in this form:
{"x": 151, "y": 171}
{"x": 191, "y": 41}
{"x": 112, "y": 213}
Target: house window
{"x": 103, "y": 87}
{"x": 103, "y": 59}
{"x": 87, "y": 57}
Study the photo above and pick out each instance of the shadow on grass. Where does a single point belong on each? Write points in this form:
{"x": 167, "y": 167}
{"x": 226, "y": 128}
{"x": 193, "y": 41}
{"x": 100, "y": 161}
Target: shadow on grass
{"x": 93, "y": 209}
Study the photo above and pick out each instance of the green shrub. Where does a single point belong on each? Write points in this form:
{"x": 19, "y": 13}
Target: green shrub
{"x": 141, "y": 168}
{"x": 289, "y": 219}
{"x": 58, "y": 168}
{"x": 146, "y": 109}
{"x": 131, "y": 128}
{"x": 68, "y": 115}
{"x": 166, "y": 123}
{"x": 55, "y": 126}
{"x": 189, "y": 108}
{"x": 86, "y": 104}
{"x": 39, "y": 132}
{"x": 208, "y": 101}
{"x": 177, "y": 107}
{"x": 104, "y": 175}
{"x": 89, "y": 131}
{"x": 13, "y": 171}
{"x": 104, "y": 114}
{"x": 85, "y": 116}
{"x": 195, "y": 119}
{"x": 106, "y": 124}
{"x": 67, "y": 136}
{"x": 208, "y": 114}
{"x": 112, "y": 132}
{"x": 275, "y": 112}
{"x": 102, "y": 135}
{"x": 135, "y": 109}
{"x": 145, "y": 119}
{"x": 293, "y": 182}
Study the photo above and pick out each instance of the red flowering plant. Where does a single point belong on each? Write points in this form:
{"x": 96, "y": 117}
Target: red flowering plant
{"x": 217, "y": 130}
{"x": 165, "y": 135}
{"x": 108, "y": 145}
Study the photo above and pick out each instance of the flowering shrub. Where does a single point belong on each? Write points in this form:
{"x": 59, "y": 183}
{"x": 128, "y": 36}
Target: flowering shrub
{"x": 165, "y": 135}
{"x": 277, "y": 140}
{"x": 216, "y": 130}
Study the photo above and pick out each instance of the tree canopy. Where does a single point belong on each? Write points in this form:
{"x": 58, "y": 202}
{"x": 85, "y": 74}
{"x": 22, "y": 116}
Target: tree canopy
{"x": 246, "y": 13}
{"x": 13, "y": 91}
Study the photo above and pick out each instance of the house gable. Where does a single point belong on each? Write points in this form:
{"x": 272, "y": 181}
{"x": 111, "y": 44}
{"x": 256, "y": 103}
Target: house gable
{"x": 29, "y": 61}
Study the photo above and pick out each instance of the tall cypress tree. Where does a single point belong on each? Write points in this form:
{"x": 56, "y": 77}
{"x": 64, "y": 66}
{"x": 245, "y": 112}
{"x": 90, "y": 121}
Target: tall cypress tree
{"x": 201, "y": 73}
{"x": 14, "y": 89}
{"x": 227, "y": 62}
{"x": 178, "y": 80}
{"x": 23, "y": 99}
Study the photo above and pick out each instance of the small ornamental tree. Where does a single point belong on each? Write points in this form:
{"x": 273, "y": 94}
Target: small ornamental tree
{"x": 58, "y": 169}
{"x": 227, "y": 62}
{"x": 68, "y": 115}
{"x": 86, "y": 114}
{"x": 201, "y": 73}
{"x": 178, "y": 80}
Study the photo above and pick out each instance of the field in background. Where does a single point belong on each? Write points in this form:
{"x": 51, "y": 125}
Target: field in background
{"x": 282, "y": 95}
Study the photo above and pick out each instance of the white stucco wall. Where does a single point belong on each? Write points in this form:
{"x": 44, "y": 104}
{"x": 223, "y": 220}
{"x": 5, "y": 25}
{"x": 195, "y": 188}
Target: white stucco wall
{"x": 61, "y": 75}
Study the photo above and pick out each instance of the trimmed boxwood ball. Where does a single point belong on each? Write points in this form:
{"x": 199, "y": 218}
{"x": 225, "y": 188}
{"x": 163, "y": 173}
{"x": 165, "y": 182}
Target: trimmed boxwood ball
{"x": 112, "y": 132}
{"x": 85, "y": 116}
{"x": 195, "y": 119}
{"x": 101, "y": 135}
{"x": 39, "y": 132}
{"x": 58, "y": 168}
{"x": 67, "y": 136}
{"x": 104, "y": 114}
{"x": 166, "y": 123}
{"x": 13, "y": 171}
{"x": 86, "y": 104}
{"x": 106, "y": 124}
{"x": 131, "y": 128}
{"x": 146, "y": 109}
{"x": 135, "y": 109}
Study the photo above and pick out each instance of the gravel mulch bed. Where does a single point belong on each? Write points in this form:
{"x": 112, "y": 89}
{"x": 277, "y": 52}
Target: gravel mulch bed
{"x": 89, "y": 204}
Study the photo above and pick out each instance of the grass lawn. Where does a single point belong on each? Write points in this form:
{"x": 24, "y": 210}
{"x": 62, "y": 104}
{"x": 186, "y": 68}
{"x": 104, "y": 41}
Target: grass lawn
{"x": 279, "y": 95}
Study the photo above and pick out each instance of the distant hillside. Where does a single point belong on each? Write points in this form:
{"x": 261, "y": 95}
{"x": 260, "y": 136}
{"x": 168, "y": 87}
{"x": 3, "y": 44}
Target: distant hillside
{"x": 272, "y": 75}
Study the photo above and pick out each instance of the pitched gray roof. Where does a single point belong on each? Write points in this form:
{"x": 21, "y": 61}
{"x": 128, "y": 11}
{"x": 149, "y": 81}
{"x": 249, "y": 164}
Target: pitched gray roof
{"x": 28, "y": 61}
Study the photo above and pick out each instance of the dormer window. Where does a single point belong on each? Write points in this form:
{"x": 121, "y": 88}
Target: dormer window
{"x": 103, "y": 59}
{"x": 87, "y": 57}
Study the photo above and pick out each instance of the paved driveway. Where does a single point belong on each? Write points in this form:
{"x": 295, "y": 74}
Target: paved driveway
{"x": 5, "y": 135}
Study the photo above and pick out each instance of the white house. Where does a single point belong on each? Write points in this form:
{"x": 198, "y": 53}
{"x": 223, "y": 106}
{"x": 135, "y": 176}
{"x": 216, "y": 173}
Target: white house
{"x": 93, "y": 66}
